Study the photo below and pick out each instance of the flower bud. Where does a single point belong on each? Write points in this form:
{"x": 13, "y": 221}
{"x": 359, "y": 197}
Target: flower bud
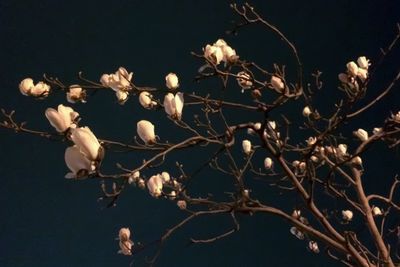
{"x": 171, "y": 81}
{"x": 122, "y": 96}
{"x": 145, "y": 99}
{"x": 306, "y": 111}
{"x": 26, "y": 86}
{"x": 173, "y": 105}
{"x": 313, "y": 246}
{"x": 246, "y": 145}
{"x": 376, "y": 211}
{"x": 362, "y": 74}
{"x": 277, "y": 84}
{"x": 213, "y": 53}
{"x": 352, "y": 68}
{"x": 357, "y": 161}
{"x": 124, "y": 234}
{"x": 361, "y": 134}
{"x": 347, "y": 215}
{"x": 165, "y": 177}
{"x": 155, "y": 185}
{"x": 268, "y": 163}
{"x": 145, "y": 130}
{"x": 181, "y": 204}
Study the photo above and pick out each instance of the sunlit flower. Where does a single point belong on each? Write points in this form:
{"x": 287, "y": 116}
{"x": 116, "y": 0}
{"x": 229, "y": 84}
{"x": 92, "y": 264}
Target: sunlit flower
{"x": 145, "y": 130}
{"x": 246, "y": 145}
{"x": 173, "y": 105}
{"x": 146, "y": 100}
{"x": 120, "y": 80}
{"x": 124, "y": 234}
{"x": 347, "y": 215}
{"x": 155, "y": 185}
{"x": 87, "y": 142}
{"x": 363, "y": 62}
{"x": 171, "y": 81}
{"x": 313, "y": 246}
{"x": 62, "y": 118}
{"x": 26, "y": 86}
{"x": 361, "y": 134}
{"x": 229, "y": 54}
{"x": 244, "y": 80}
{"x": 277, "y": 84}
{"x": 376, "y": 211}
{"x": 306, "y": 111}
{"x": 352, "y": 68}
{"x": 213, "y": 53}
{"x": 77, "y": 162}
{"x": 76, "y": 94}
{"x": 268, "y": 163}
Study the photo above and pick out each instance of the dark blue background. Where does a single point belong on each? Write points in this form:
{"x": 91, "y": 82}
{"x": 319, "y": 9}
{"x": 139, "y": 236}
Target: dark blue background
{"x": 49, "y": 221}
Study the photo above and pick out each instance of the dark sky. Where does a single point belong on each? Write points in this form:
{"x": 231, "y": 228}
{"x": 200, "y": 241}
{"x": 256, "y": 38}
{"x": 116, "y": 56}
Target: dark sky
{"x": 47, "y": 220}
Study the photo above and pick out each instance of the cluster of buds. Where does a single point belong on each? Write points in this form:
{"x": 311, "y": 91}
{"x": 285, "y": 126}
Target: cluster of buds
{"x": 125, "y": 242}
{"x": 156, "y": 184}
{"x": 120, "y": 82}
{"x": 220, "y": 51}
{"x": 355, "y": 71}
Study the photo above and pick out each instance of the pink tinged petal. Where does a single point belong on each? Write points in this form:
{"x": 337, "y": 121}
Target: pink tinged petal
{"x": 76, "y": 161}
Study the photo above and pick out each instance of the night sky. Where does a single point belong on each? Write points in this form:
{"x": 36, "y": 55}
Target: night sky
{"x": 46, "y": 220}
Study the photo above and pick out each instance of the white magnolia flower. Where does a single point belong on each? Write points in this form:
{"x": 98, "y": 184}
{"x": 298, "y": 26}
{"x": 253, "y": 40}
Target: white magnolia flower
{"x": 246, "y": 145}
{"x": 297, "y": 233}
{"x": 134, "y": 177}
{"x": 75, "y": 94}
{"x": 306, "y": 111}
{"x": 171, "y": 81}
{"x": 361, "y": 134}
{"x": 125, "y": 247}
{"x": 155, "y": 185}
{"x": 357, "y": 161}
{"x": 62, "y": 118}
{"x": 313, "y": 246}
{"x": 347, "y": 215}
{"x": 296, "y": 163}
{"x": 363, "y": 62}
{"x": 87, "y": 142}
{"x": 272, "y": 124}
{"x": 268, "y": 163}
{"x": 220, "y": 43}
{"x": 229, "y": 54}
{"x": 146, "y": 100}
{"x": 244, "y": 80}
{"x": 77, "y": 162}
{"x": 213, "y": 53}
{"x": 302, "y": 166}
{"x": 145, "y": 130}
{"x": 124, "y": 234}
{"x": 257, "y": 125}
{"x": 362, "y": 74}
{"x": 122, "y": 96}
{"x": 277, "y": 84}
{"x": 120, "y": 80}
{"x": 173, "y": 105}
{"x": 352, "y": 68}
{"x": 376, "y": 211}
{"x": 165, "y": 177}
